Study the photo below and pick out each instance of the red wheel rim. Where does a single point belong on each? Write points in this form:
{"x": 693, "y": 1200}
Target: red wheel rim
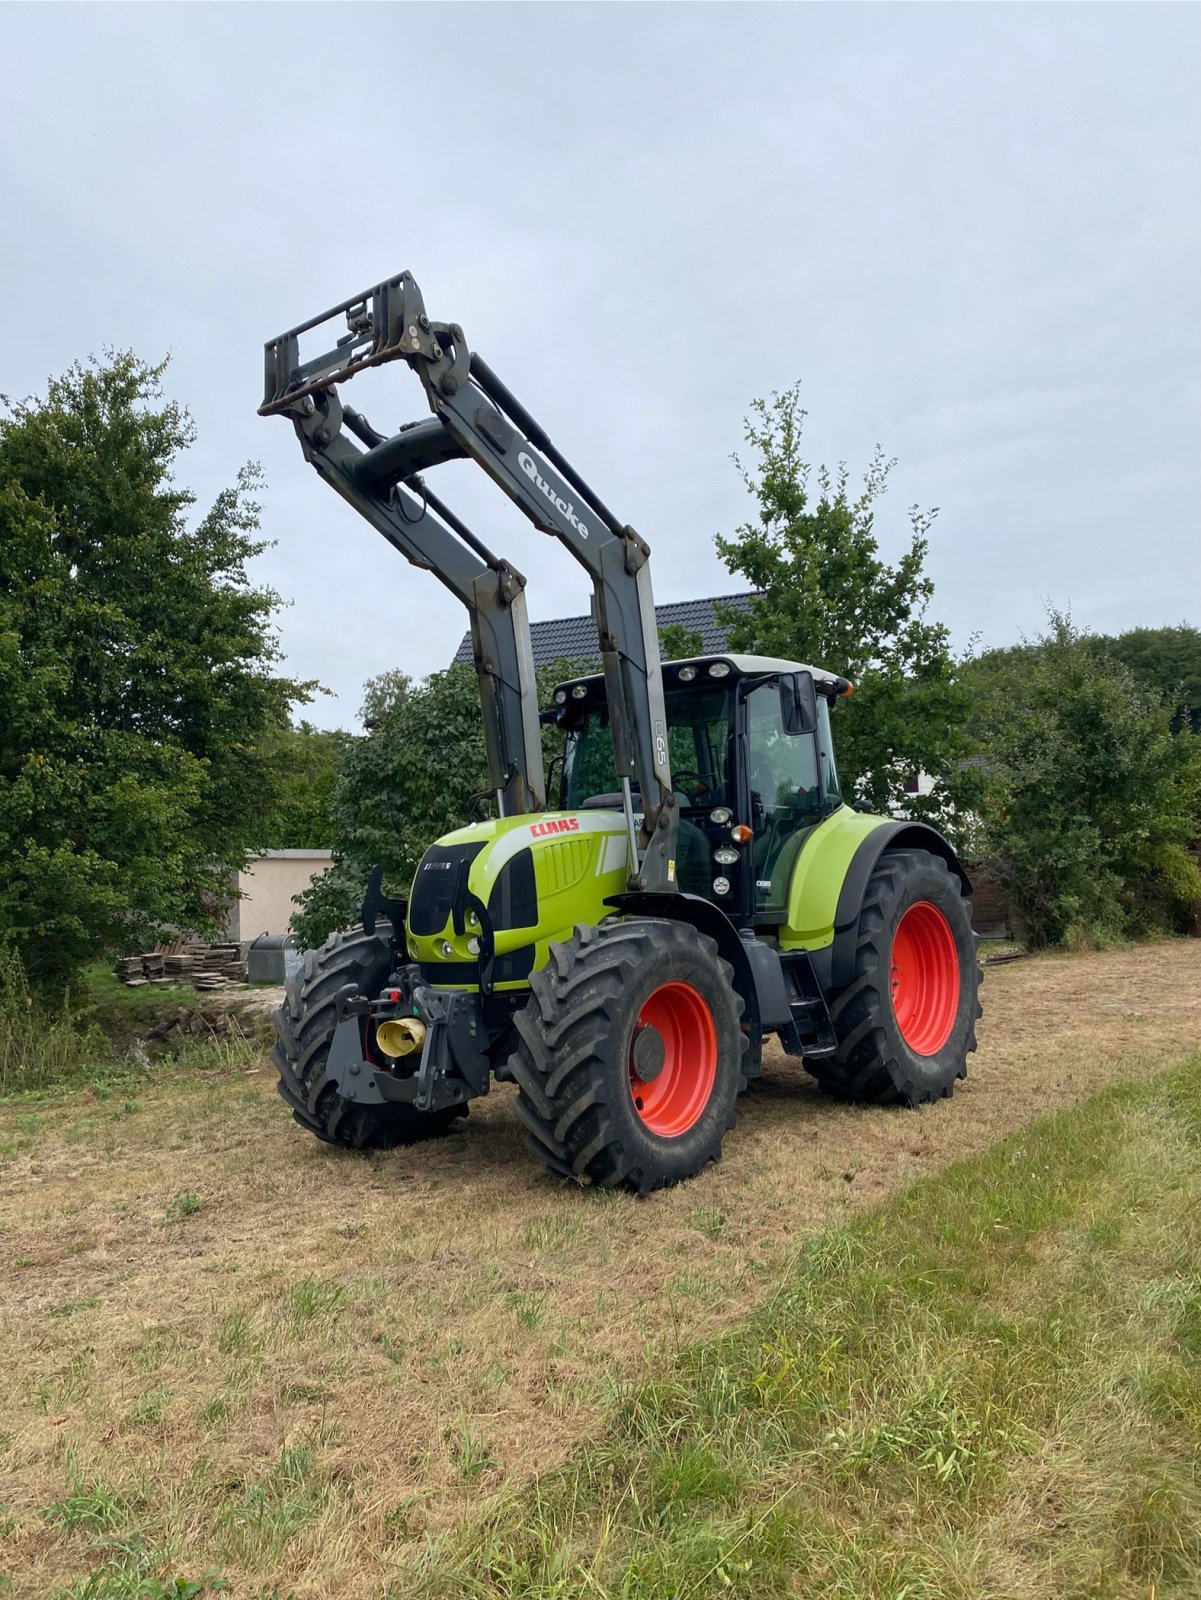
{"x": 673, "y": 1100}
{"x": 924, "y": 978}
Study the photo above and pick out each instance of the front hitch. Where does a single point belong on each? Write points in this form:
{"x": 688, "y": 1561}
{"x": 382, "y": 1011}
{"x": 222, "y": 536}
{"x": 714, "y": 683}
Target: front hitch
{"x": 447, "y": 1060}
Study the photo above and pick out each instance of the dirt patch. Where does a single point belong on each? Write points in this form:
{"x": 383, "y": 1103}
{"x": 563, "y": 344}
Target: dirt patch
{"x": 192, "y": 1285}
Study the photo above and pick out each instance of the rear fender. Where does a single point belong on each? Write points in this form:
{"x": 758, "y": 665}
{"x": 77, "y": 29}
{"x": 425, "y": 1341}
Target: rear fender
{"x": 891, "y": 836}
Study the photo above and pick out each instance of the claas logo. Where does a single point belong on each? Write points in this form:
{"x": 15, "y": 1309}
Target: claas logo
{"x": 539, "y": 830}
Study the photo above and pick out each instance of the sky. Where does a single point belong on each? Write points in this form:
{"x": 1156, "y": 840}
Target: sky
{"x": 972, "y": 232}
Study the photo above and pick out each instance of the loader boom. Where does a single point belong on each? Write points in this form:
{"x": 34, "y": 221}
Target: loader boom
{"x": 476, "y": 417}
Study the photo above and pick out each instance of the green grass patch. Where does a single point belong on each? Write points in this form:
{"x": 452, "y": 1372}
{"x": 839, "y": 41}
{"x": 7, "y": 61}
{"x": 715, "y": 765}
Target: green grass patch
{"x": 183, "y": 1205}
{"x": 991, "y": 1385}
{"x": 121, "y": 1012}
{"x": 42, "y": 1043}
{"x": 260, "y": 1517}
{"x": 309, "y": 1300}
{"x": 89, "y": 1505}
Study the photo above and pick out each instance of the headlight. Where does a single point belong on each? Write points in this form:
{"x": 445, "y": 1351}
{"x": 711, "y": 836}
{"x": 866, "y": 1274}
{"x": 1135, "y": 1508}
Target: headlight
{"x": 721, "y": 886}
{"x": 725, "y": 857}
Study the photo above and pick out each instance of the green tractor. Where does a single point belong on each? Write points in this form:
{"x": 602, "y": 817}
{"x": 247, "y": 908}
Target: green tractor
{"x": 618, "y": 949}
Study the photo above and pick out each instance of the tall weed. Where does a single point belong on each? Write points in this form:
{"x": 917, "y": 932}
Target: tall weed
{"x": 42, "y": 1042}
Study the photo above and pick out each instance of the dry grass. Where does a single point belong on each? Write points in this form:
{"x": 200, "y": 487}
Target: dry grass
{"x": 288, "y": 1364}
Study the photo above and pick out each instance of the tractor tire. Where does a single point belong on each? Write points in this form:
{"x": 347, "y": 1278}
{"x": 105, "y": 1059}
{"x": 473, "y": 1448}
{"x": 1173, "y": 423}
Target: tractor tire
{"x": 304, "y": 1027}
{"x": 629, "y": 1055}
{"x": 906, "y": 1023}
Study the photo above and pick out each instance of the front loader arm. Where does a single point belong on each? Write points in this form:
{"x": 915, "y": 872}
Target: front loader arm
{"x": 476, "y": 416}
{"x": 383, "y": 483}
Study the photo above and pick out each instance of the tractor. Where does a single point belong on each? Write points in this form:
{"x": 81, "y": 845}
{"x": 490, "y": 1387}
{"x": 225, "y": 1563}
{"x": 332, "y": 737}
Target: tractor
{"x": 618, "y": 949}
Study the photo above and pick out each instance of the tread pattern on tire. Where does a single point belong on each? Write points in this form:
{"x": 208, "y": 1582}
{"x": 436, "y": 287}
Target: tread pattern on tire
{"x": 304, "y": 1027}
{"x": 576, "y": 1001}
{"x": 869, "y": 1065}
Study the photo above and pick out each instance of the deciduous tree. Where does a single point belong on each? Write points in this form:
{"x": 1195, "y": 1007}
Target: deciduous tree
{"x": 407, "y": 782}
{"x": 826, "y": 596}
{"x": 137, "y": 671}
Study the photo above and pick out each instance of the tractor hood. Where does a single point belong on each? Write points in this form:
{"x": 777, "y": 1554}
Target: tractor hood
{"x": 534, "y": 876}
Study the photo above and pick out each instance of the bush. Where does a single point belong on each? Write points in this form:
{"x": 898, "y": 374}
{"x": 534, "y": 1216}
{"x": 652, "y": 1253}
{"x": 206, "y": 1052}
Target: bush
{"x": 1089, "y": 799}
{"x": 1168, "y": 894}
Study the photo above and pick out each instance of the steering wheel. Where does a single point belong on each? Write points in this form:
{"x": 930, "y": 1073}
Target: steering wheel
{"x": 701, "y": 792}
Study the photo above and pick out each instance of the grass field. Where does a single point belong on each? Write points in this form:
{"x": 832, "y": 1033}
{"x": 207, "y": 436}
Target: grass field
{"x": 990, "y": 1386}
{"x": 231, "y": 1350}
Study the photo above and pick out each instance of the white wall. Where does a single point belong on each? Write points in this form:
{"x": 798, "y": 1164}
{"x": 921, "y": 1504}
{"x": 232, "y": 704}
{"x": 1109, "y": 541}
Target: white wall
{"x": 268, "y": 885}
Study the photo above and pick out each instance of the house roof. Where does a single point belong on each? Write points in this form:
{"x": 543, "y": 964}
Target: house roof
{"x": 574, "y": 638}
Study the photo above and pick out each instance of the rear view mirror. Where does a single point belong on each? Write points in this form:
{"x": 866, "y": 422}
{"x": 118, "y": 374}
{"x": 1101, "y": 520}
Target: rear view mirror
{"x": 798, "y": 703}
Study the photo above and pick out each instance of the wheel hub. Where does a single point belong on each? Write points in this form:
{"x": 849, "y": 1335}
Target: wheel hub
{"x": 647, "y": 1053}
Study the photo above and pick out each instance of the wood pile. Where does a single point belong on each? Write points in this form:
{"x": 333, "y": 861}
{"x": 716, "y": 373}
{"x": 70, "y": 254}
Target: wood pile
{"x": 204, "y": 966}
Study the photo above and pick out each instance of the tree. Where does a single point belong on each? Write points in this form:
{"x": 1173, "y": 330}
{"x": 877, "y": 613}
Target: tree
{"x": 1089, "y": 799}
{"x": 825, "y": 596}
{"x": 409, "y": 781}
{"x": 304, "y": 761}
{"x": 137, "y": 677}
{"x": 677, "y": 643}
{"x": 1165, "y": 662}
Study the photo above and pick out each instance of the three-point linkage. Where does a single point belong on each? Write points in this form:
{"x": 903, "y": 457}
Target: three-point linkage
{"x": 477, "y": 418}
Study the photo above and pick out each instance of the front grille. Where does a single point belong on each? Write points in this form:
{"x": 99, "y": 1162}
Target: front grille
{"x": 440, "y": 881}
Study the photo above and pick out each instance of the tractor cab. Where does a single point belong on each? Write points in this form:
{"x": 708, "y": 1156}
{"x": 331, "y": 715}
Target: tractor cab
{"x": 752, "y": 763}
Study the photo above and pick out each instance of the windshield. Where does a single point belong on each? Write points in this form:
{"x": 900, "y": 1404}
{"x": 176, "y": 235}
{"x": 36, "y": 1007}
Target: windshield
{"x": 698, "y": 743}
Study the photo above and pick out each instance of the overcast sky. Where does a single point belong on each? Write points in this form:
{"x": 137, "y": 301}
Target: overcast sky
{"x": 974, "y": 232}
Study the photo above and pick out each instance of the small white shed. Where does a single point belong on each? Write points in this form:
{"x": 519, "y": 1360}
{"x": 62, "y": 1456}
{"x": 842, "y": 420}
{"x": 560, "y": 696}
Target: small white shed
{"x": 267, "y": 887}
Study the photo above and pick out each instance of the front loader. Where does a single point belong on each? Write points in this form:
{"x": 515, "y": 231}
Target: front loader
{"x": 618, "y": 949}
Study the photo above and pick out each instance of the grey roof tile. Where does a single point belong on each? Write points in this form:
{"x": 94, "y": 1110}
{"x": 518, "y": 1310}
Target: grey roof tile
{"x": 574, "y": 638}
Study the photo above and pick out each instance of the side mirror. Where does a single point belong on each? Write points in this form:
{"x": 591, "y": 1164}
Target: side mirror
{"x": 798, "y": 703}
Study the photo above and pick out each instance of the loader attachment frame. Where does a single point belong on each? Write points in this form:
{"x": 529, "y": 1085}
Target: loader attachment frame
{"x": 476, "y": 417}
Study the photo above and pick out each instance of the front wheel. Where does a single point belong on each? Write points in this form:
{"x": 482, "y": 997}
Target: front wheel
{"x": 629, "y": 1055}
{"x": 906, "y": 1023}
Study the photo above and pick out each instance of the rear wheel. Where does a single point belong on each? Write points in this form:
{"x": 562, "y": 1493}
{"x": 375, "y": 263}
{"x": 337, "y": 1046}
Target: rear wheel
{"x": 304, "y": 1026}
{"x": 907, "y": 1021}
{"x": 629, "y": 1055}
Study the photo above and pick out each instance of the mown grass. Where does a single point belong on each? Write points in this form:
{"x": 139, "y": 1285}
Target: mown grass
{"x": 989, "y": 1386}
{"x": 437, "y": 1326}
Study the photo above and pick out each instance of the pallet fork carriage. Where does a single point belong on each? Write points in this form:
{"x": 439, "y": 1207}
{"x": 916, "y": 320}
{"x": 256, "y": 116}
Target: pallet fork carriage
{"x": 621, "y": 955}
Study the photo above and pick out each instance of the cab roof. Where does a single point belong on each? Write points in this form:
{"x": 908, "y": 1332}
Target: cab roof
{"x": 738, "y": 666}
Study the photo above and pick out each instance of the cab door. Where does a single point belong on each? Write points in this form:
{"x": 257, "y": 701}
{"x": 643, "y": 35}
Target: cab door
{"x": 785, "y": 794}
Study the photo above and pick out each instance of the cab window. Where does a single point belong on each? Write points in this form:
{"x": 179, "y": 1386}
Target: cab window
{"x": 786, "y": 799}
{"x": 831, "y": 793}
{"x": 698, "y": 744}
